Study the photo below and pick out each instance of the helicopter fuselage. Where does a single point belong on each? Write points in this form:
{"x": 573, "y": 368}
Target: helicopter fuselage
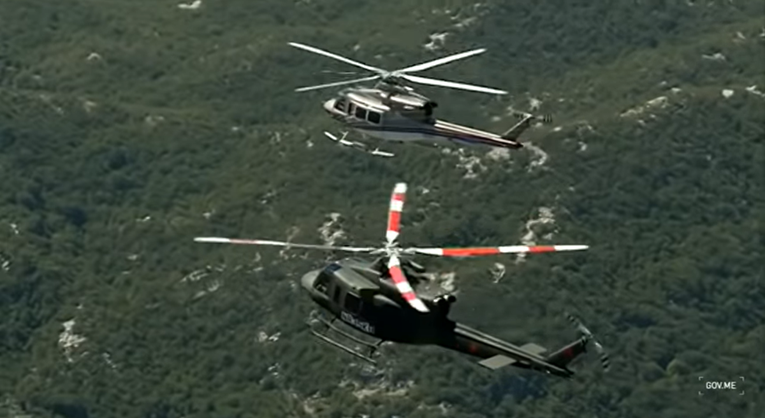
{"x": 379, "y": 299}
{"x": 404, "y": 118}
{"x": 347, "y": 292}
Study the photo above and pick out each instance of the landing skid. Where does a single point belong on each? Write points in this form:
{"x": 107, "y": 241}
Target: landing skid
{"x": 372, "y": 347}
{"x": 360, "y": 146}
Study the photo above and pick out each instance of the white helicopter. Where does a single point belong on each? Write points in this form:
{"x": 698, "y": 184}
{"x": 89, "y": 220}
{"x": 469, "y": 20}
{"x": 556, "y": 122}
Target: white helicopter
{"x": 392, "y": 111}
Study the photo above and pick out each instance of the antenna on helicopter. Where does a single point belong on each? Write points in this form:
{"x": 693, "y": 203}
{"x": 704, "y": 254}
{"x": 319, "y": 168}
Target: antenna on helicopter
{"x": 396, "y": 77}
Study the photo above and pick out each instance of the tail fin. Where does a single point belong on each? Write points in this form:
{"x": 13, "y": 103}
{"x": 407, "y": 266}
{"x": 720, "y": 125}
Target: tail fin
{"x": 568, "y": 353}
{"x": 513, "y": 133}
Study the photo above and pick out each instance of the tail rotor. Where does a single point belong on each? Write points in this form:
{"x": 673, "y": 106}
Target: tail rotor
{"x": 543, "y": 118}
{"x": 588, "y": 336}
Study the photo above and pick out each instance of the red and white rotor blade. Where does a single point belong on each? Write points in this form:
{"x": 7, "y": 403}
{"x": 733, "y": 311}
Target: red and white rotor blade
{"x": 218, "y": 240}
{"x": 478, "y": 251}
{"x": 403, "y": 286}
{"x": 394, "y": 212}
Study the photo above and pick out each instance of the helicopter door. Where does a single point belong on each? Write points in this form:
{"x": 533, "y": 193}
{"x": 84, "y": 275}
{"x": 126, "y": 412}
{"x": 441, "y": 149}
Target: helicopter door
{"x": 337, "y": 293}
{"x": 361, "y": 113}
{"x": 352, "y": 303}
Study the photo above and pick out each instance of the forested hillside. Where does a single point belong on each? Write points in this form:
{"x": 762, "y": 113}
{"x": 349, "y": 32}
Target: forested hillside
{"x": 127, "y": 127}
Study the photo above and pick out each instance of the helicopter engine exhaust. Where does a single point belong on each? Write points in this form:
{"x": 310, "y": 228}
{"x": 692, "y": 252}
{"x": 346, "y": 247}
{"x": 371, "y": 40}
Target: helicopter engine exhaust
{"x": 445, "y": 302}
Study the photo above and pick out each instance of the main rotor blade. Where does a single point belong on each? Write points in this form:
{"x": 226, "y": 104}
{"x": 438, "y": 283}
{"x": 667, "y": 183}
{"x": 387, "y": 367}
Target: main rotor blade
{"x": 337, "y": 57}
{"x": 478, "y": 251}
{"x": 394, "y": 212}
{"x": 338, "y": 83}
{"x": 403, "y": 286}
{"x": 281, "y": 244}
{"x": 441, "y": 61}
{"x": 451, "y": 84}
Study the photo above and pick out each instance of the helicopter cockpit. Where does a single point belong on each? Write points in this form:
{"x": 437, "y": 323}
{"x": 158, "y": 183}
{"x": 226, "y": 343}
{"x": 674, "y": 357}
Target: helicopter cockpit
{"x": 321, "y": 284}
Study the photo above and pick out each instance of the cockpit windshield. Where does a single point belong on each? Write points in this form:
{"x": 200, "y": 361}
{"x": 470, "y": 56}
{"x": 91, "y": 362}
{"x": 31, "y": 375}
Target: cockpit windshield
{"x": 322, "y": 282}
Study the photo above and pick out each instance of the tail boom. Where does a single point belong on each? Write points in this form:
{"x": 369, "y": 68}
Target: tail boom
{"x": 564, "y": 356}
{"x": 495, "y": 353}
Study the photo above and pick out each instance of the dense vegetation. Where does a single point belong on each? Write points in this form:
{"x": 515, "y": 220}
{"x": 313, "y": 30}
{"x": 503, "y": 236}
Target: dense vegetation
{"x": 129, "y": 127}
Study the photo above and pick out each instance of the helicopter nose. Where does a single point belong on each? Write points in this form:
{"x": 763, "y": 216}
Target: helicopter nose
{"x": 329, "y": 105}
{"x": 308, "y": 280}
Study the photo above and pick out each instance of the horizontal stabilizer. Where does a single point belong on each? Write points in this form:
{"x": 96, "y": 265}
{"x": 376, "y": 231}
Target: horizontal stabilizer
{"x": 534, "y": 348}
{"x": 496, "y": 362}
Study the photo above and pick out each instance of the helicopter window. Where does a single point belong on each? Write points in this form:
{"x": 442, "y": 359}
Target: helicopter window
{"x": 340, "y": 105}
{"x": 361, "y": 113}
{"x": 352, "y": 303}
{"x": 322, "y": 282}
{"x": 373, "y": 117}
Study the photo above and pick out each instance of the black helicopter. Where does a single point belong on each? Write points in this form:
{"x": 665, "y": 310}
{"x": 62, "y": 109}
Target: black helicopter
{"x": 377, "y": 299}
